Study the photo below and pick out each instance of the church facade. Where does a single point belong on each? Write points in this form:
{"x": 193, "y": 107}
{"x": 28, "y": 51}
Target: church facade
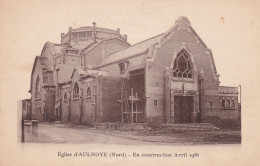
{"x": 95, "y": 76}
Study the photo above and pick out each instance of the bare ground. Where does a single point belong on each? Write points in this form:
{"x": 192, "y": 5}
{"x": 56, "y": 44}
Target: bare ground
{"x": 69, "y": 133}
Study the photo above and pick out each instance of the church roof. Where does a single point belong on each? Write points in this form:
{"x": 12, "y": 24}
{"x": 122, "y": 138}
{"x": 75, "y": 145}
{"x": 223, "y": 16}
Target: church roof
{"x": 131, "y": 51}
{"x": 80, "y": 45}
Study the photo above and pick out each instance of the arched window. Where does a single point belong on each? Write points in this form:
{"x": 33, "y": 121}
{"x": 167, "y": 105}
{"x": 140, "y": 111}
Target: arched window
{"x": 76, "y": 91}
{"x": 228, "y": 103}
{"x": 223, "y": 104}
{"x": 211, "y": 104}
{"x": 88, "y": 93}
{"x": 232, "y": 103}
{"x": 38, "y": 88}
{"x": 182, "y": 65}
{"x": 65, "y": 98}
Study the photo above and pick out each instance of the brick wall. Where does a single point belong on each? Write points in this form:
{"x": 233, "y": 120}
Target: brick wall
{"x": 158, "y": 87}
{"x": 110, "y": 89}
{"x": 95, "y": 56}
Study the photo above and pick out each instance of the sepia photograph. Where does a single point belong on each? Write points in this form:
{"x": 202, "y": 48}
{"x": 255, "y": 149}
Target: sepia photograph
{"x": 166, "y": 81}
{"x": 164, "y": 89}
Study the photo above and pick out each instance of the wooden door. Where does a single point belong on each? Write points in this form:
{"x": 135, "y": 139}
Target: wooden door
{"x": 182, "y": 109}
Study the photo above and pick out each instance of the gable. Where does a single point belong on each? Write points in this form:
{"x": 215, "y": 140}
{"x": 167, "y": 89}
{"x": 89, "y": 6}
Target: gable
{"x": 40, "y": 64}
{"x": 180, "y": 36}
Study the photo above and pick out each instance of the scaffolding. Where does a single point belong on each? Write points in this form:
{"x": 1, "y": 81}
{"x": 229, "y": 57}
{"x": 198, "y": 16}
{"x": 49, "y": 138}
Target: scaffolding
{"x": 129, "y": 105}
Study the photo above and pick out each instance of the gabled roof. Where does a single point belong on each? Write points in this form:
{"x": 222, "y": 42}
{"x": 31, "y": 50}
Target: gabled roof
{"x": 133, "y": 50}
{"x": 180, "y": 20}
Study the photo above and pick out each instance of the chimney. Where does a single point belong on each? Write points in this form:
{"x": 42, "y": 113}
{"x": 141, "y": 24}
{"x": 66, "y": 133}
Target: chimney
{"x": 70, "y": 30}
{"x": 125, "y": 36}
{"x": 61, "y": 37}
{"x": 94, "y": 32}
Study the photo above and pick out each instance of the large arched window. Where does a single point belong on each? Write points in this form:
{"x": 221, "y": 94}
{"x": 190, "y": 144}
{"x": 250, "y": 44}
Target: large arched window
{"x": 38, "y": 88}
{"x": 76, "y": 91}
{"x": 182, "y": 65}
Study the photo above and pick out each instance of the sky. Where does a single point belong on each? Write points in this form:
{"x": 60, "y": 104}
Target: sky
{"x": 230, "y": 29}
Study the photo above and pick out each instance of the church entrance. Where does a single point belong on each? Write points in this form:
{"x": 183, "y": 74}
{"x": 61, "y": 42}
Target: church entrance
{"x": 183, "y": 109}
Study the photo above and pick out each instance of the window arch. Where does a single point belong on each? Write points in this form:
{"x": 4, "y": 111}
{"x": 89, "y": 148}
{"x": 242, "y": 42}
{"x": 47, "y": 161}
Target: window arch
{"x": 38, "y": 88}
{"x": 88, "y": 93}
{"x": 76, "y": 91}
{"x": 182, "y": 66}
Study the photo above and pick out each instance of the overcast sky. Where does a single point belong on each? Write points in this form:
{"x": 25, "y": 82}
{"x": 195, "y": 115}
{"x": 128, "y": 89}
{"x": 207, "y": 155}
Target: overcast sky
{"x": 230, "y": 29}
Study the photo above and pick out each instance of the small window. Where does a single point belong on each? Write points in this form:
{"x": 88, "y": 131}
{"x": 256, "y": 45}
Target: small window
{"x": 155, "y": 103}
{"x": 228, "y": 104}
{"x": 232, "y": 103}
{"x": 122, "y": 68}
{"x": 211, "y": 104}
{"x": 223, "y": 105}
{"x": 88, "y": 93}
{"x": 65, "y": 97}
{"x": 76, "y": 91}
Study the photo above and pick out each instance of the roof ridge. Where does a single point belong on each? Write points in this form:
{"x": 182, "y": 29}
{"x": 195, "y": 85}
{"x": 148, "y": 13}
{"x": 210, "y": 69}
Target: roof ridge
{"x": 136, "y": 44}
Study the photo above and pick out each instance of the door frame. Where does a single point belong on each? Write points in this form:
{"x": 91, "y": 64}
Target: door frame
{"x": 192, "y": 94}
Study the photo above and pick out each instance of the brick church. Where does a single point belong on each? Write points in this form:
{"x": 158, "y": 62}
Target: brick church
{"x": 95, "y": 76}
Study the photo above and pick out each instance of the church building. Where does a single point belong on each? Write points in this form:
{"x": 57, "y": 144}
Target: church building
{"x": 95, "y": 76}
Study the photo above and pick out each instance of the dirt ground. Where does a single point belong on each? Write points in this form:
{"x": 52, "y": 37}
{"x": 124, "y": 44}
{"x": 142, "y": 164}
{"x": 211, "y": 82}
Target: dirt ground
{"x": 69, "y": 133}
